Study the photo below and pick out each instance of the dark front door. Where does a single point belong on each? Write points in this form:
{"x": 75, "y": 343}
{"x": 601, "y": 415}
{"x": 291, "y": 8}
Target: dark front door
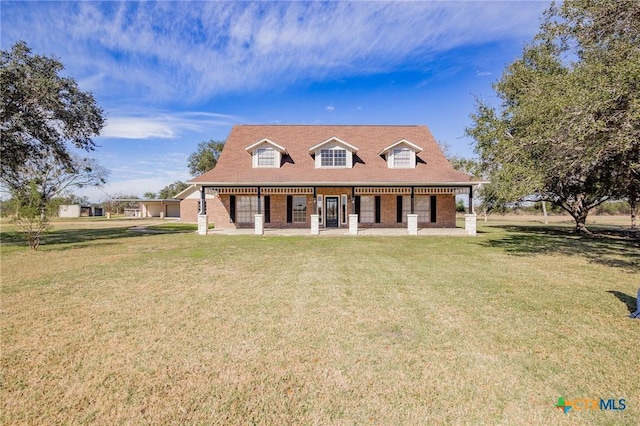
{"x": 331, "y": 212}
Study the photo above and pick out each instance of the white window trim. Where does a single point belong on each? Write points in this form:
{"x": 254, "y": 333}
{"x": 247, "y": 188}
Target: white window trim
{"x": 401, "y": 144}
{"x": 333, "y": 158}
{"x": 256, "y": 154}
{"x": 279, "y": 151}
{"x": 395, "y": 156}
{"x": 333, "y": 144}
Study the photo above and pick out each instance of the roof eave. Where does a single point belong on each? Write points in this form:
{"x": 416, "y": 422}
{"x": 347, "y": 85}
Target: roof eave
{"x": 320, "y": 183}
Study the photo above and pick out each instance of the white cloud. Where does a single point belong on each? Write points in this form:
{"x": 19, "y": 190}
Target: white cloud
{"x": 483, "y": 73}
{"x": 136, "y": 128}
{"x": 166, "y": 50}
{"x": 330, "y": 108}
{"x": 161, "y": 125}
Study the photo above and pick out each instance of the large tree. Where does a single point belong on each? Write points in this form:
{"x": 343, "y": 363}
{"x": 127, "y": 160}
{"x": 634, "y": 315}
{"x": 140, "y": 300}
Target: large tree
{"x": 172, "y": 189}
{"x": 41, "y": 111}
{"x": 39, "y": 181}
{"x": 205, "y": 157}
{"x": 568, "y": 130}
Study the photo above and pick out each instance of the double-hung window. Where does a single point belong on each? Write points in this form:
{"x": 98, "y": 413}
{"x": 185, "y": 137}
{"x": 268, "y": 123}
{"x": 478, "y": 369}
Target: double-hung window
{"x": 401, "y": 157}
{"x": 266, "y": 157}
{"x": 333, "y": 157}
{"x": 300, "y": 209}
{"x": 367, "y": 209}
{"x": 246, "y": 209}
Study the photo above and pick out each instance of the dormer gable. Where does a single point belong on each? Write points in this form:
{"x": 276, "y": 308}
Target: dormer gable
{"x": 333, "y": 153}
{"x": 266, "y": 153}
{"x": 401, "y": 154}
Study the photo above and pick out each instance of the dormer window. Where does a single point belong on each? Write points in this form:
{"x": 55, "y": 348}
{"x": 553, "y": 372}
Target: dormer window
{"x": 266, "y": 153}
{"x": 333, "y": 153}
{"x": 401, "y": 155}
{"x": 266, "y": 157}
{"x": 335, "y": 157}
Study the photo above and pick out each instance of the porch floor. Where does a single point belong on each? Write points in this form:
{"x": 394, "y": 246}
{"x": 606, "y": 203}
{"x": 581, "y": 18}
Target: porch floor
{"x": 397, "y": 232}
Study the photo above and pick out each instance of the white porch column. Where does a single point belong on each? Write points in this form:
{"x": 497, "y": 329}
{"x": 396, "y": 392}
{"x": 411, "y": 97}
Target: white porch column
{"x": 259, "y": 222}
{"x": 470, "y": 223}
{"x": 353, "y": 224}
{"x": 412, "y": 224}
{"x": 203, "y": 224}
{"x": 315, "y": 224}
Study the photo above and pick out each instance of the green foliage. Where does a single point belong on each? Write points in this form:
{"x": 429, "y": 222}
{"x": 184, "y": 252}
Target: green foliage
{"x": 460, "y": 207}
{"x": 613, "y": 208}
{"x": 150, "y": 195}
{"x": 52, "y": 179}
{"x": 172, "y": 189}
{"x": 114, "y": 205}
{"x": 33, "y": 216}
{"x": 205, "y": 157}
{"x": 567, "y": 130}
{"x": 41, "y": 111}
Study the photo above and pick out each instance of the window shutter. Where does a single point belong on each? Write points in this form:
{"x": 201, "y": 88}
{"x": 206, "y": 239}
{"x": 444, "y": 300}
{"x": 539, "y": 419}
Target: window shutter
{"x": 399, "y": 209}
{"x": 433, "y": 209}
{"x": 267, "y": 209}
{"x": 289, "y": 209}
{"x": 232, "y": 208}
{"x": 377, "y": 211}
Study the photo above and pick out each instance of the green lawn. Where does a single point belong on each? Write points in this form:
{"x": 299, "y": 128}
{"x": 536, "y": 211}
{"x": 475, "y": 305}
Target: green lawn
{"x": 107, "y": 325}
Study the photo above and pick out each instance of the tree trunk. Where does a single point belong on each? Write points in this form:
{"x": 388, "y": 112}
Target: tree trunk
{"x": 579, "y": 214}
{"x": 634, "y": 211}
{"x": 544, "y": 212}
{"x": 579, "y": 211}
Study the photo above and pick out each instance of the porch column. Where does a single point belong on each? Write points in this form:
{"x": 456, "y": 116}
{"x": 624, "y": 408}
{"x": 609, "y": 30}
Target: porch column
{"x": 203, "y": 223}
{"x": 353, "y": 224}
{"x": 259, "y": 205}
{"x": 412, "y": 224}
{"x": 471, "y": 200}
{"x": 203, "y": 206}
{"x": 315, "y": 224}
{"x": 470, "y": 223}
{"x": 413, "y": 201}
{"x": 353, "y": 201}
{"x": 259, "y": 224}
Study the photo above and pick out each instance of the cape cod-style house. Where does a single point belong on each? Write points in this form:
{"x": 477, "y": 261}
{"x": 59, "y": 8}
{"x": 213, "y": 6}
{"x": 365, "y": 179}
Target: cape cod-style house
{"x": 317, "y": 176}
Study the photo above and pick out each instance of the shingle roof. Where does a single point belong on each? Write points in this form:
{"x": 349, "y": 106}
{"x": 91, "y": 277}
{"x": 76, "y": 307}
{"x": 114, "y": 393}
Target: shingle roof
{"x": 235, "y": 166}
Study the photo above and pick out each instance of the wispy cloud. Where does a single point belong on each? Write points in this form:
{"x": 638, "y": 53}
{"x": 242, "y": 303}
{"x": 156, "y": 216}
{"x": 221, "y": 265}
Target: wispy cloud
{"x": 162, "y": 125}
{"x": 167, "y": 49}
{"x": 330, "y": 108}
{"x": 483, "y": 73}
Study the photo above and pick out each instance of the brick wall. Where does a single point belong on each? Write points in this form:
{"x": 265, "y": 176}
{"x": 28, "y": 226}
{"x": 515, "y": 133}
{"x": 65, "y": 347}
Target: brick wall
{"x": 218, "y": 208}
{"x": 215, "y": 210}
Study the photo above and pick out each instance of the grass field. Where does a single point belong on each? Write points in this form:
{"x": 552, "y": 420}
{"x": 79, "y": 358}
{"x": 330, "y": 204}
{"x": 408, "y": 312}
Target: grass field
{"x": 106, "y": 325}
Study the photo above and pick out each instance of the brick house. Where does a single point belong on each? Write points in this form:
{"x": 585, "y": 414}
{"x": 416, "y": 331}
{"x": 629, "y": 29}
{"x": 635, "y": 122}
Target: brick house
{"x": 289, "y": 173}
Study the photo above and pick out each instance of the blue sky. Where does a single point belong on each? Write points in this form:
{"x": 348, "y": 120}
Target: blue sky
{"x": 172, "y": 74}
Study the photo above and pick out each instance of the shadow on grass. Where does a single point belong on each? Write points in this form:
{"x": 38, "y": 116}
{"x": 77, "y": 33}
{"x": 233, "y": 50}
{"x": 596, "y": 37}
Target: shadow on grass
{"x": 614, "y": 248}
{"x": 64, "y": 239}
{"x": 630, "y": 301}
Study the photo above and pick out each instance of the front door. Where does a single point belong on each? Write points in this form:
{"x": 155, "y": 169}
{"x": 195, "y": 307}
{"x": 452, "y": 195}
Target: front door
{"x": 331, "y": 210}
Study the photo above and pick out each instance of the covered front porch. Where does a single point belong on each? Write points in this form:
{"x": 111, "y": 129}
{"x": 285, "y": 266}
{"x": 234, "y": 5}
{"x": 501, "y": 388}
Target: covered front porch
{"x": 335, "y": 209}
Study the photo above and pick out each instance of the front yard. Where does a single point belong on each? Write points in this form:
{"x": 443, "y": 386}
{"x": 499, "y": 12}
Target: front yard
{"x": 106, "y": 325}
